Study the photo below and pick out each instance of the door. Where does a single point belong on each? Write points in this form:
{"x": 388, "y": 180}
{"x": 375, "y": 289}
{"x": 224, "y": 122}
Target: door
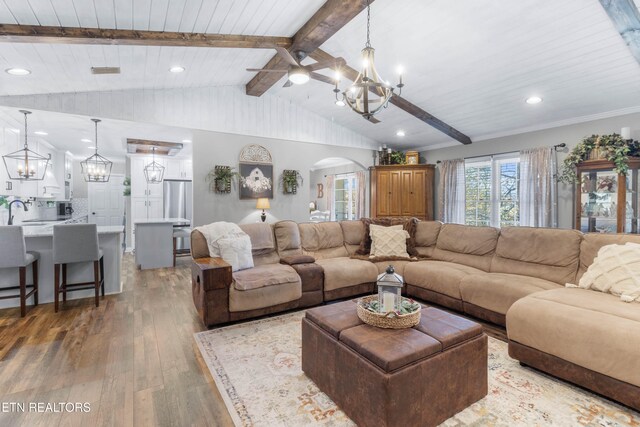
{"x": 106, "y": 201}
{"x": 154, "y": 207}
{"x": 419, "y": 198}
{"x": 395, "y": 204}
{"x": 406, "y": 192}
{"x": 383, "y": 193}
{"x": 138, "y": 181}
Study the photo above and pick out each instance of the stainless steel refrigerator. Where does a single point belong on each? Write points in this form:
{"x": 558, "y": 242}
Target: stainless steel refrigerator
{"x": 178, "y": 203}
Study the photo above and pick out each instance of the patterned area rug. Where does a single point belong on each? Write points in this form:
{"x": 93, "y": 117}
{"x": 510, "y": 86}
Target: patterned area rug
{"x": 256, "y": 366}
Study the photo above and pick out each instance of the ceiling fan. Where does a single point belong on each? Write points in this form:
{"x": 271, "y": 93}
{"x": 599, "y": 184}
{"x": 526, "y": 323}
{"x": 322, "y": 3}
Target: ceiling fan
{"x": 297, "y": 73}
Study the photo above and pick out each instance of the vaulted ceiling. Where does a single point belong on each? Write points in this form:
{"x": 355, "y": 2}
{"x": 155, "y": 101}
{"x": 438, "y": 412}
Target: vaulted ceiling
{"x": 471, "y": 63}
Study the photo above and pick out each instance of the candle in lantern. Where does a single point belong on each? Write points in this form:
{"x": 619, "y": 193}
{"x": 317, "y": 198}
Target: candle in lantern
{"x": 625, "y": 132}
{"x": 388, "y": 302}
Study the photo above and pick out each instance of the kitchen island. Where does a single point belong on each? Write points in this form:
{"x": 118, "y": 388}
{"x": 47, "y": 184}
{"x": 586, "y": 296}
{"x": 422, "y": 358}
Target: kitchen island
{"x": 154, "y": 241}
{"x": 40, "y": 239}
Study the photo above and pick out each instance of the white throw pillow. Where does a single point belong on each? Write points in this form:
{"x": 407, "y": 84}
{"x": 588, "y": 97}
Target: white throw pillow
{"x": 236, "y": 250}
{"x": 388, "y": 241}
{"x": 375, "y": 226}
{"x": 616, "y": 270}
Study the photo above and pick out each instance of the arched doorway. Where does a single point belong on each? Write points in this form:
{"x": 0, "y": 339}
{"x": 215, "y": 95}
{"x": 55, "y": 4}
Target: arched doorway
{"x": 338, "y": 190}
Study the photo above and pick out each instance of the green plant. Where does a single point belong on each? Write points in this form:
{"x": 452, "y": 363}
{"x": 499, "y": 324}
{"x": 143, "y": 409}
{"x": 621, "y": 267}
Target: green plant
{"x": 290, "y": 180}
{"x": 398, "y": 158}
{"x": 4, "y": 202}
{"x": 127, "y": 186}
{"x": 220, "y": 178}
{"x": 615, "y": 148}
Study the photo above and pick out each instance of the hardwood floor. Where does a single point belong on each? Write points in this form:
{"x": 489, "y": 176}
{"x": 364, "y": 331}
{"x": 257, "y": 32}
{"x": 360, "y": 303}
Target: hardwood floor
{"x": 133, "y": 358}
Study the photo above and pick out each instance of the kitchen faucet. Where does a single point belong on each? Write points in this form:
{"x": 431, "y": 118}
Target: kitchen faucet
{"x": 24, "y": 206}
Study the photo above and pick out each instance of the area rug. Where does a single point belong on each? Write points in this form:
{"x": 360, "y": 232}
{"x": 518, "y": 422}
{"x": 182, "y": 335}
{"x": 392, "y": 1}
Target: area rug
{"x": 257, "y": 368}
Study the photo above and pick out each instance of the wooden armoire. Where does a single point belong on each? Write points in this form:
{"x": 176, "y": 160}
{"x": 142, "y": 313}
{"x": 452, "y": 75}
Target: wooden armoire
{"x": 402, "y": 190}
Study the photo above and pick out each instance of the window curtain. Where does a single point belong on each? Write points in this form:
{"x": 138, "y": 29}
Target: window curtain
{"x": 451, "y": 191}
{"x": 331, "y": 197}
{"x": 360, "y": 194}
{"x": 538, "y": 188}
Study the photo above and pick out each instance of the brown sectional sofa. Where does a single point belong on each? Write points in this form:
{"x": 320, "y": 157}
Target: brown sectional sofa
{"x": 514, "y": 277}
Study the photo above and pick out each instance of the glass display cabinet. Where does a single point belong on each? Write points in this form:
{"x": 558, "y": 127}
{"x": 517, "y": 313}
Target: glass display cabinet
{"x": 607, "y": 202}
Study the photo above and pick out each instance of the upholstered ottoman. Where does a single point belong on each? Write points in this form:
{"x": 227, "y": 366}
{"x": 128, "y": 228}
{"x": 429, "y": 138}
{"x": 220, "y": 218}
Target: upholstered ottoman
{"x": 383, "y": 377}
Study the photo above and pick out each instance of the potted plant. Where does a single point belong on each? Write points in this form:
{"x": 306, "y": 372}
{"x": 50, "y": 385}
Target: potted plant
{"x": 612, "y": 148}
{"x": 290, "y": 180}
{"x": 220, "y": 178}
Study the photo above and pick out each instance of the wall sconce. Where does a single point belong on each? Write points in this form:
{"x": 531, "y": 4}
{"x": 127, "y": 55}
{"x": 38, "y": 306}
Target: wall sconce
{"x": 263, "y": 204}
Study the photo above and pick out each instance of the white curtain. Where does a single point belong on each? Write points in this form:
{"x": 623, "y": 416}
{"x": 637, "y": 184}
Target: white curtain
{"x": 538, "y": 188}
{"x": 451, "y": 191}
{"x": 360, "y": 194}
{"x": 330, "y": 198}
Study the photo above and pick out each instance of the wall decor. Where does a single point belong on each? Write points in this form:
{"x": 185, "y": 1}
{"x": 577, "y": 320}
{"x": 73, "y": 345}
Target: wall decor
{"x": 220, "y": 178}
{"x": 412, "y": 158}
{"x": 290, "y": 180}
{"x": 256, "y": 181}
{"x": 255, "y": 154}
{"x": 320, "y": 194}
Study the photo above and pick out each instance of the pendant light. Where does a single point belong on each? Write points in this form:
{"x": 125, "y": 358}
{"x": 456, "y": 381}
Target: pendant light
{"x": 154, "y": 171}
{"x": 25, "y": 164}
{"x": 96, "y": 168}
{"x": 369, "y": 93}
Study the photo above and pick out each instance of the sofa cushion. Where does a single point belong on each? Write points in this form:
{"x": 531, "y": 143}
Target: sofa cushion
{"x": 438, "y": 276}
{"x": 264, "y": 275}
{"x": 427, "y": 237}
{"x": 591, "y": 244}
{"x": 343, "y": 272}
{"x": 408, "y": 224}
{"x": 463, "y": 244}
{"x": 352, "y": 232}
{"x": 594, "y": 330}
{"x": 546, "y": 253}
{"x": 498, "y": 291}
{"x": 398, "y": 266}
{"x": 287, "y": 236}
{"x": 236, "y": 250}
{"x": 264, "y": 297}
{"x": 388, "y": 241}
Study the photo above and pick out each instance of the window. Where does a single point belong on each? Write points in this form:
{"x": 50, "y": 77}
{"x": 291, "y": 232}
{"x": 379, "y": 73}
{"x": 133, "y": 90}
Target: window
{"x": 492, "y": 191}
{"x": 345, "y": 196}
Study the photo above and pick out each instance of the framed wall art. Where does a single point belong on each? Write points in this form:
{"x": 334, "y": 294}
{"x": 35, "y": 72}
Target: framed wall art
{"x": 256, "y": 181}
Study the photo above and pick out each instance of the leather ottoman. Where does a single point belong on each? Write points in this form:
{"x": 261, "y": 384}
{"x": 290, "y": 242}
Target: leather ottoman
{"x": 419, "y": 376}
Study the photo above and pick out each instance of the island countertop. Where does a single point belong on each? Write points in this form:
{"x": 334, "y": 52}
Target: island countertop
{"x": 175, "y": 221}
{"x": 47, "y": 230}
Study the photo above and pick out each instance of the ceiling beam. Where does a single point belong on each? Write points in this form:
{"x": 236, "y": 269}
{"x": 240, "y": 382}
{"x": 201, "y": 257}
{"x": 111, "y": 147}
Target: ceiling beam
{"x": 327, "y": 21}
{"x": 626, "y": 18}
{"x": 400, "y": 102}
{"x": 73, "y": 35}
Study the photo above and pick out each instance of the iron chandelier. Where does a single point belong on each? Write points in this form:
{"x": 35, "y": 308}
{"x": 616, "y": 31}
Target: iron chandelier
{"x": 25, "y": 164}
{"x": 96, "y": 168}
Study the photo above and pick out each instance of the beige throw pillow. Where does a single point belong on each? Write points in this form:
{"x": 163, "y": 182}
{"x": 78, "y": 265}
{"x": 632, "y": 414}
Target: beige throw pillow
{"x": 616, "y": 270}
{"x": 391, "y": 227}
{"x": 388, "y": 241}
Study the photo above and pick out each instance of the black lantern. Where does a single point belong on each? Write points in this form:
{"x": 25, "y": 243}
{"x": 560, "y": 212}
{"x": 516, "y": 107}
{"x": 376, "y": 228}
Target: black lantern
{"x": 26, "y": 164}
{"x": 96, "y": 168}
{"x": 154, "y": 171}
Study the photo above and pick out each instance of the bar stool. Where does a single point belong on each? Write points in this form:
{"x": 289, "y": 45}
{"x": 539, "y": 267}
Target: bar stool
{"x": 75, "y": 243}
{"x": 13, "y": 254}
{"x": 179, "y": 233}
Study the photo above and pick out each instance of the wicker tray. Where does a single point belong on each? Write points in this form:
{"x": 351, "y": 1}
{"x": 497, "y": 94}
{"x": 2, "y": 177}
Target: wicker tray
{"x": 384, "y": 320}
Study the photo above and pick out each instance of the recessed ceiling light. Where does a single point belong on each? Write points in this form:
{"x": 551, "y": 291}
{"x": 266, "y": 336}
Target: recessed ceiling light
{"x": 40, "y": 132}
{"x": 533, "y": 100}
{"x": 176, "y": 69}
{"x": 400, "y": 132}
{"x": 86, "y": 140}
{"x": 18, "y": 71}
{"x": 91, "y": 148}
{"x": 186, "y": 141}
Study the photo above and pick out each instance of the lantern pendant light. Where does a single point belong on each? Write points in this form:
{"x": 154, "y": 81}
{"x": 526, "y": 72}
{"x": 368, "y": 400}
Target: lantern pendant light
{"x": 154, "y": 171}
{"x": 96, "y": 168}
{"x": 25, "y": 164}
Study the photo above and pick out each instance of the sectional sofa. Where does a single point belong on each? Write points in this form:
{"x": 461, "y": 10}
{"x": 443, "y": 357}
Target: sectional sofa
{"x": 513, "y": 276}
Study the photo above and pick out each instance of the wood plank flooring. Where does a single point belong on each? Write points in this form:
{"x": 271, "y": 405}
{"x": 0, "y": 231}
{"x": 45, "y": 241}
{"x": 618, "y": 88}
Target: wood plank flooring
{"x": 133, "y": 358}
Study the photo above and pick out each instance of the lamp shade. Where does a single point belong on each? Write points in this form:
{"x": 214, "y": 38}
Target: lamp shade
{"x": 263, "y": 204}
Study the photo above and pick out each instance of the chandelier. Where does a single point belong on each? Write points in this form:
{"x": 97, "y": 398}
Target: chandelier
{"x": 369, "y": 93}
{"x": 96, "y": 168}
{"x": 25, "y": 164}
{"x": 154, "y": 171}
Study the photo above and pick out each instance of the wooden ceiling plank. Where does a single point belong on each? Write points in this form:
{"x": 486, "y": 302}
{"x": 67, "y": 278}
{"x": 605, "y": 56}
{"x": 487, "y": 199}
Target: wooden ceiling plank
{"x": 350, "y": 73}
{"x": 327, "y": 21}
{"x": 625, "y": 17}
{"x": 70, "y": 35}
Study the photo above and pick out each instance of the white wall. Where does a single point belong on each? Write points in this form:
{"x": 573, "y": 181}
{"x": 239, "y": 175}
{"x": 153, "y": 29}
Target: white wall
{"x": 216, "y": 148}
{"x": 571, "y": 135}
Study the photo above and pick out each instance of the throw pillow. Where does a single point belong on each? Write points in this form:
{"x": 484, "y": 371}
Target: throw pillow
{"x": 236, "y": 250}
{"x": 389, "y": 242}
{"x": 373, "y": 226}
{"x": 616, "y": 270}
{"x": 408, "y": 224}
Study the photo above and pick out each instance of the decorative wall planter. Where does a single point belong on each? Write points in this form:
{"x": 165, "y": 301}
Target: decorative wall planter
{"x": 220, "y": 179}
{"x": 290, "y": 180}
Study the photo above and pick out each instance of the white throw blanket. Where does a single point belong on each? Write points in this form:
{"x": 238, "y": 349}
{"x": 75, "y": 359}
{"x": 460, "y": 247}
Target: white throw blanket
{"x": 228, "y": 241}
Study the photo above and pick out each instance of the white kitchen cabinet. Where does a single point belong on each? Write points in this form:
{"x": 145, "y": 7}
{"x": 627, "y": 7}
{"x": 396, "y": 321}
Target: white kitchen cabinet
{"x": 178, "y": 169}
{"x": 154, "y": 207}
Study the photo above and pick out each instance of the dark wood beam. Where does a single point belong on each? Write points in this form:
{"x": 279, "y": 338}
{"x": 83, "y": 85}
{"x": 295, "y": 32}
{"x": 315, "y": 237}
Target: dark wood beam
{"x": 73, "y": 35}
{"x": 626, "y": 18}
{"x": 400, "y": 102}
{"x": 327, "y": 21}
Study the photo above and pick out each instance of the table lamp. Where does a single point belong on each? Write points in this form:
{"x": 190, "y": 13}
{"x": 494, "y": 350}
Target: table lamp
{"x": 263, "y": 204}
